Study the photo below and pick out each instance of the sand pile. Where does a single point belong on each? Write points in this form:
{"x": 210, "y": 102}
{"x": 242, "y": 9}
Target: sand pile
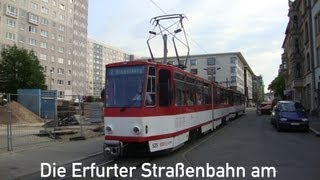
{"x": 20, "y": 114}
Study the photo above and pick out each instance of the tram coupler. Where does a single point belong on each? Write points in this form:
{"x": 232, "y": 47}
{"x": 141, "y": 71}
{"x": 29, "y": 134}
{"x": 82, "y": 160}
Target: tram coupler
{"x": 113, "y": 148}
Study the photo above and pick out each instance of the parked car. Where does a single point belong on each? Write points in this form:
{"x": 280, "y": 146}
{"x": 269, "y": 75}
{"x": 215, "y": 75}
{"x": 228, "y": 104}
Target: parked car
{"x": 264, "y": 108}
{"x": 290, "y": 114}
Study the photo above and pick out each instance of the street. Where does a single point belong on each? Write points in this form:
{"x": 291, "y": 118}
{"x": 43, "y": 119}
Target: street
{"x": 249, "y": 142}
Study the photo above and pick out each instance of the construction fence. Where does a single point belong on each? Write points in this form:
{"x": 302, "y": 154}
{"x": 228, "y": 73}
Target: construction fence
{"x": 39, "y": 118}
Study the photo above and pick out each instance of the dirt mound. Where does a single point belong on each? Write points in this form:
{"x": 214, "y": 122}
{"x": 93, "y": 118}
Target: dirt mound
{"x": 20, "y": 114}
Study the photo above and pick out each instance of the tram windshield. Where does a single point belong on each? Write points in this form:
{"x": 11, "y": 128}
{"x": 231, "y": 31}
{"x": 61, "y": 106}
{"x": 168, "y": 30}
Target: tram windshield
{"x": 124, "y": 86}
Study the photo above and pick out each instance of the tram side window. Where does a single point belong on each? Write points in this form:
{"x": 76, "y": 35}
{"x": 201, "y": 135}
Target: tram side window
{"x": 207, "y": 94}
{"x": 179, "y": 92}
{"x": 164, "y": 88}
{"x": 200, "y": 94}
{"x": 151, "y": 88}
{"x": 190, "y": 93}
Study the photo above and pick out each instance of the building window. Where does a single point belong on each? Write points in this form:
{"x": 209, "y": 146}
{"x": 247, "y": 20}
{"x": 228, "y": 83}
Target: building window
{"x": 34, "y": 19}
{"x": 211, "y": 71}
{"x": 61, "y": 94}
{"x": 44, "y": 33}
{"x": 44, "y": 45}
{"x": 233, "y": 60}
{"x": 44, "y": 10}
{"x": 193, "y": 62}
{"x": 32, "y": 42}
{"x": 44, "y": 21}
{"x": 62, "y": 7}
{"x": 60, "y": 38}
{"x": 62, "y": 17}
{"x": 61, "y": 28}
{"x": 60, "y": 49}
{"x": 232, "y": 69}
{"x": 194, "y": 71}
{"x": 60, "y": 71}
{"x": 211, "y": 61}
{"x": 32, "y": 29}
{"x": 11, "y": 11}
{"x": 60, "y": 60}
{"x": 43, "y": 57}
{"x": 308, "y": 62}
{"x": 33, "y": 5}
{"x": 10, "y": 36}
{"x": 11, "y": 23}
{"x": 233, "y": 79}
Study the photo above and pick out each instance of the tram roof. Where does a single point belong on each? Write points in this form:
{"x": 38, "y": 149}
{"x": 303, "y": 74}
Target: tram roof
{"x": 176, "y": 69}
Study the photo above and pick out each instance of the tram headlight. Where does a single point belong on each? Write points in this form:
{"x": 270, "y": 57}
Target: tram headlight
{"x": 108, "y": 129}
{"x": 136, "y": 130}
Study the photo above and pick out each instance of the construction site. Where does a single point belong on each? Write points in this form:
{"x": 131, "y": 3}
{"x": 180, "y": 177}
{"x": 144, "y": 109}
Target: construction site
{"x": 20, "y": 127}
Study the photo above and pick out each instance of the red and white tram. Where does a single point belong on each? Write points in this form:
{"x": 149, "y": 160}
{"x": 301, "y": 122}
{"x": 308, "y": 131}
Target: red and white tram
{"x": 152, "y": 107}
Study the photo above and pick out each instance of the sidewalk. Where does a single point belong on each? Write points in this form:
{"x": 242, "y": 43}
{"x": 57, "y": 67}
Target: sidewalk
{"x": 315, "y": 124}
{"x": 16, "y": 164}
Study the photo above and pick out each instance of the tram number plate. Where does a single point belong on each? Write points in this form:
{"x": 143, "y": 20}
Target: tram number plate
{"x": 295, "y": 124}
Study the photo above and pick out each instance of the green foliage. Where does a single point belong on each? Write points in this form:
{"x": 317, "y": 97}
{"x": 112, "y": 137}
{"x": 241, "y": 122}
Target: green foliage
{"x": 20, "y": 69}
{"x": 278, "y": 85}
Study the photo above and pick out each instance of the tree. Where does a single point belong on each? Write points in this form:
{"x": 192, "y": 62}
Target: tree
{"x": 278, "y": 85}
{"x": 20, "y": 69}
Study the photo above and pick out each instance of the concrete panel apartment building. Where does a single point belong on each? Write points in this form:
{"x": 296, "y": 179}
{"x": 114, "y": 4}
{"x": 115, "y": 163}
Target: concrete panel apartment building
{"x": 100, "y": 54}
{"x": 56, "y": 30}
{"x": 227, "y": 69}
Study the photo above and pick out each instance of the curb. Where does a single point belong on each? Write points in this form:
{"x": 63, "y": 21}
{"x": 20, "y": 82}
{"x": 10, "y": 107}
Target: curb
{"x": 317, "y": 133}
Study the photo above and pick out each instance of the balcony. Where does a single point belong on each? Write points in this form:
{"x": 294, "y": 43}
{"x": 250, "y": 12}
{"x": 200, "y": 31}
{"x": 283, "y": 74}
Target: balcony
{"x": 33, "y": 19}
{"x": 11, "y": 11}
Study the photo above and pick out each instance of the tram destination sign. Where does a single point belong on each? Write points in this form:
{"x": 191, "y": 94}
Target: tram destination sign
{"x": 127, "y": 70}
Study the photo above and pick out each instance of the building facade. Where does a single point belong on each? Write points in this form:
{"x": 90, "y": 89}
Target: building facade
{"x": 100, "y": 54}
{"x": 258, "y": 89}
{"x": 56, "y": 30}
{"x": 227, "y": 69}
{"x": 301, "y": 53}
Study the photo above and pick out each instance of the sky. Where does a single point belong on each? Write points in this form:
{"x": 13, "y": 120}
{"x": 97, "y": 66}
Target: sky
{"x": 256, "y": 28}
